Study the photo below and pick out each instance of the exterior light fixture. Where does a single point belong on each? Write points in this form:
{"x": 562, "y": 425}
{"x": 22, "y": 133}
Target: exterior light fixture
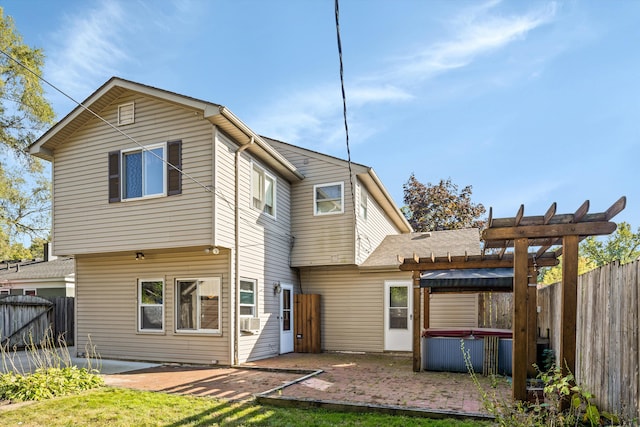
{"x": 139, "y": 256}
{"x": 214, "y": 251}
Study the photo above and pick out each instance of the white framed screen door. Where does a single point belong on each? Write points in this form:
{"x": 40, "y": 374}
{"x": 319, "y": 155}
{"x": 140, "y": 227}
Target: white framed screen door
{"x": 286, "y": 319}
{"x": 398, "y": 316}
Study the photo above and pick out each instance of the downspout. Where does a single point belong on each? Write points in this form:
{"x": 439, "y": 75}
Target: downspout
{"x": 236, "y": 306}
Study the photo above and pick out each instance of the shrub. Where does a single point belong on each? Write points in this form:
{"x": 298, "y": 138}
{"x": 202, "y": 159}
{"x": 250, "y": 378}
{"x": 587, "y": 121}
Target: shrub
{"x": 49, "y": 373}
{"x": 558, "y": 388}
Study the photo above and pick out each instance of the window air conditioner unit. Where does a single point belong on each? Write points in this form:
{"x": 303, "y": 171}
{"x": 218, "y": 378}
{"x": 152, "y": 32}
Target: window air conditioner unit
{"x": 250, "y": 324}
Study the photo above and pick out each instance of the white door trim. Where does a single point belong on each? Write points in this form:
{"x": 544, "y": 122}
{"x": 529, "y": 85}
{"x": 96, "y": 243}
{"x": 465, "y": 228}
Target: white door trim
{"x": 286, "y": 320}
{"x": 398, "y": 338}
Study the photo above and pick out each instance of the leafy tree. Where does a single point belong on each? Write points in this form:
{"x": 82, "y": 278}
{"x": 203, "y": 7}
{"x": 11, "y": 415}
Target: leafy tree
{"x": 552, "y": 275}
{"x": 623, "y": 245}
{"x": 440, "y": 207}
{"x": 24, "y": 113}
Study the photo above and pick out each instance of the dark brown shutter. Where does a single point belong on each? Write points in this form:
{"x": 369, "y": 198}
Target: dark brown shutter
{"x": 174, "y": 177}
{"x": 114, "y": 176}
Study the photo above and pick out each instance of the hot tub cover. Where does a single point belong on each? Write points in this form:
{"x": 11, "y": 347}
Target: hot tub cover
{"x": 475, "y": 279}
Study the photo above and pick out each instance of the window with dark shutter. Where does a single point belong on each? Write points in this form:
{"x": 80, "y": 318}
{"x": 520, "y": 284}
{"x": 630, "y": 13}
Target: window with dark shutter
{"x": 174, "y": 177}
{"x": 114, "y": 176}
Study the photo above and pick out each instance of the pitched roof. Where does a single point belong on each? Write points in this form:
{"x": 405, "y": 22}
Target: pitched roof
{"x": 367, "y": 176}
{"x": 438, "y": 243}
{"x": 61, "y": 267}
{"x": 115, "y": 87}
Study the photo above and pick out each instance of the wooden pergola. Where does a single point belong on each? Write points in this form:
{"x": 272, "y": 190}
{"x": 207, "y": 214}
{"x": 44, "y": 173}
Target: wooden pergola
{"x": 506, "y": 244}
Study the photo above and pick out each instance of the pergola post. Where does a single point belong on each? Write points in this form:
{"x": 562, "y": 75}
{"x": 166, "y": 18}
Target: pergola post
{"x": 532, "y": 322}
{"x": 519, "y": 350}
{"x": 569, "y": 304}
{"x": 417, "y": 359}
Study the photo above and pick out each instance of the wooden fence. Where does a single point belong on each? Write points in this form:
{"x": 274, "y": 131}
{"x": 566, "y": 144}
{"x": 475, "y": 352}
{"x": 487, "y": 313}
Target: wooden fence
{"x": 607, "y": 338}
{"x": 26, "y": 319}
{"x": 495, "y": 310}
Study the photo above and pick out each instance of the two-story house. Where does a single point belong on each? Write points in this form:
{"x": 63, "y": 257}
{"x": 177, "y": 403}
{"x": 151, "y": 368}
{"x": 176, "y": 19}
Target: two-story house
{"x": 191, "y": 233}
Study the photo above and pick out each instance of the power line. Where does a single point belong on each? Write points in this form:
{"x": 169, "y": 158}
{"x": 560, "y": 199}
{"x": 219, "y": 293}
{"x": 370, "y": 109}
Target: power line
{"x": 207, "y": 188}
{"x": 344, "y": 114}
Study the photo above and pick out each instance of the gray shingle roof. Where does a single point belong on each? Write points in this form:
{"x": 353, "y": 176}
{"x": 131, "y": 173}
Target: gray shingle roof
{"x": 440, "y": 243}
{"x": 60, "y": 267}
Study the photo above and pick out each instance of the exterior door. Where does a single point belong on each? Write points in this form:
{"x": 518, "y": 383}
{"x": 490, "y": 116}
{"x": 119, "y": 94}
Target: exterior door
{"x": 398, "y": 316}
{"x": 286, "y": 319}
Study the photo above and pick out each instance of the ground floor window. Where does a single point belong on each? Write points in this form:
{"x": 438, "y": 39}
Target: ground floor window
{"x": 247, "y": 297}
{"x": 150, "y": 305}
{"x": 198, "y": 304}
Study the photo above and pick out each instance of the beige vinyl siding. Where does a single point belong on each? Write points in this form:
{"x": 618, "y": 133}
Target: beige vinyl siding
{"x": 372, "y": 230}
{"x": 84, "y": 220}
{"x": 225, "y": 190}
{"x": 352, "y": 306}
{"x": 264, "y": 250}
{"x": 322, "y": 239}
{"x": 453, "y": 311}
{"x": 106, "y": 306}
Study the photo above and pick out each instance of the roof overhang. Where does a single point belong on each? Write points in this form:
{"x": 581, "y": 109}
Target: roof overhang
{"x": 375, "y": 187}
{"x": 218, "y": 115}
{"x": 468, "y": 280}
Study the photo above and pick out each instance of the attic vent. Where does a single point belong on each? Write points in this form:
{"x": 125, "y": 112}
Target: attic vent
{"x": 126, "y": 114}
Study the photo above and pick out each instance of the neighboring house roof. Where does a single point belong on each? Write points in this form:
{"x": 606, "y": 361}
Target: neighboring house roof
{"x": 215, "y": 113}
{"x": 367, "y": 176}
{"x": 58, "y": 268}
{"x": 438, "y": 243}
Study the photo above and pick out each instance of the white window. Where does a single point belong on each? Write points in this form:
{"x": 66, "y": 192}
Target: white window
{"x": 247, "y": 297}
{"x": 143, "y": 172}
{"x": 5, "y": 292}
{"x": 328, "y": 198}
{"x": 31, "y": 292}
{"x": 363, "y": 203}
{"x": 152, "y": 171}
{"x": 126, "y": 114}
{"x": 263, "y": 191}
{"x": 198, "y": 304}
{"x": 151, "y": 305}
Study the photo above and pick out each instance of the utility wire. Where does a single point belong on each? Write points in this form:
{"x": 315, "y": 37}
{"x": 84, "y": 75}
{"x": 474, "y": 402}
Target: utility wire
{"x": 207, "y": 188}
{"x": 344, "y": 112}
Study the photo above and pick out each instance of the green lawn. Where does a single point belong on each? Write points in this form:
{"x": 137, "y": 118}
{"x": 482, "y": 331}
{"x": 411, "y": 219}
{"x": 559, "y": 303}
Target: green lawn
{"x": 122, "y": 407}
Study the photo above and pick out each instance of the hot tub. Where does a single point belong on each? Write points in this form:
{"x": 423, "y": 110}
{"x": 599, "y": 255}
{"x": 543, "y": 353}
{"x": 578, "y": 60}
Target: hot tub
{"x": 441, "y": 350}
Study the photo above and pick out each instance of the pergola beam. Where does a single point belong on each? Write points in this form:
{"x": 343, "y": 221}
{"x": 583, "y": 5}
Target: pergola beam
{"x": 462, "y": 263}
{"x": 550, "y": 230}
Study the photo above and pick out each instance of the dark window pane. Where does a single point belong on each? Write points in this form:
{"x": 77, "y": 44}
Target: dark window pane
{"x": 151, "y": 317}
{"x": 187, "y": 308}
{"x": 133, "y": 175}
{"x": 151, "y": 292}
{"x": 398, "y": 318}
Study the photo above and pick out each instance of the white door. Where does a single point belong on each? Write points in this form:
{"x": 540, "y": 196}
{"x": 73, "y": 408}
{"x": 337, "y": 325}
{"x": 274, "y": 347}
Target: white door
{"x": 398, "y": 316}
{"x": 286, "y": 319}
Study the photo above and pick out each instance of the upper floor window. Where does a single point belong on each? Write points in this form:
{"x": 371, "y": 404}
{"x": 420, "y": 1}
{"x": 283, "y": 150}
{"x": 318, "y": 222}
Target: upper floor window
{"x": 263, "y": 190}
{"x": 144, "y": 172}
{"x": 5, "y": 292}
{"x": 31, "y": 292}
{"x": 150, "y": 305}
{"x": 198, "y": 304}
{"x": 328, "y": 198}
{"x": 363, "y": 203}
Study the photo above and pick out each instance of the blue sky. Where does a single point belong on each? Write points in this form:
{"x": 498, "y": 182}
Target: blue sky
{"x": 529, "y": 102}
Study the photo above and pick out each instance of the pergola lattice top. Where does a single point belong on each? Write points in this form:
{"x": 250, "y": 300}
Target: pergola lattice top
{"x": 521, "y": 233}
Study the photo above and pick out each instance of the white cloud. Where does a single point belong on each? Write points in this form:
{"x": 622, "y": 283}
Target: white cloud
{"x": 307, "y": 115}
{"x": 89, "y": 49}
{"x": 476, "y": 32}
